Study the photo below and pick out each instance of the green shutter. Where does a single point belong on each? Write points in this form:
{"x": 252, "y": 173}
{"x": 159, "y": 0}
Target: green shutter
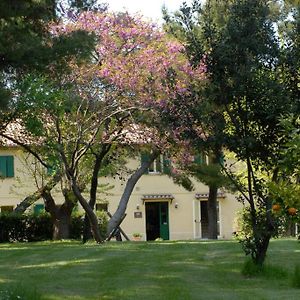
{"x": 145, "y": 157}
{"x": 166, "y": 165}
{"x": 10, "y": 166}
{"x": 221, "y": 159}
{"x": 2, "y": 166}
{"x": 7, "y": 166}
{"x": 198, "y": 159}
{"x": 38, "y": 208}
{"x": 50, "y": 171}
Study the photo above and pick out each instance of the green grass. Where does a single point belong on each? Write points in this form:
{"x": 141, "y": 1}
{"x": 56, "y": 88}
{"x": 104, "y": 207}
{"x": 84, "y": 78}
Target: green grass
{"x": 157, "y": 270}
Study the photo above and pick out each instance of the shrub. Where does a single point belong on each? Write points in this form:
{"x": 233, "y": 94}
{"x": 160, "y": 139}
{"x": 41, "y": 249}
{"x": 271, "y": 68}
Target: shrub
{"x": 76, "y": 227}
{"x": 39, "y": 227}
{"x": 102, "y": 220}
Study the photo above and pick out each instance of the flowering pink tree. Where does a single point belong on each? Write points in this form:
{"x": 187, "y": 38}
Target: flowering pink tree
{"x": 136, "y": 75}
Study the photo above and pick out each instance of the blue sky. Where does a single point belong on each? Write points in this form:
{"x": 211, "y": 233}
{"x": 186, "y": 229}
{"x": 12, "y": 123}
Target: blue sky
{"x": 148, "y": 8}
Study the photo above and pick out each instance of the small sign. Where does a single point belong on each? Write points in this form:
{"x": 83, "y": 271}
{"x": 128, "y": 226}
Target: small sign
{"x": 138, "y": 214}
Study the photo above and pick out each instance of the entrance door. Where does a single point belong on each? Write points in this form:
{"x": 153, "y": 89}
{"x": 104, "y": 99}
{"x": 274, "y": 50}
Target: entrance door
{"x": 157, "y": 220}
{"x": 204, "y": 219}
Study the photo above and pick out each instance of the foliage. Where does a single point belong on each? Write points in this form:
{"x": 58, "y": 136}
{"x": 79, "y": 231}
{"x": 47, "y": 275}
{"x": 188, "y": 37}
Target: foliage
{"x": 245, "y": 234}
{"x": 245, "y": 96}
{"x": 114, "y": 99}
{"x": 286, "y": 191}
{"x": 22, "y": 228}
{"x": 137, "y": 235}
{"x": 33, "y": 227}
{"x": 26, "y": 44}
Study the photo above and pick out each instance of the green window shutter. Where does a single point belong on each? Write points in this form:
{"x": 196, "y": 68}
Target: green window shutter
{"x": 50, "y": 171}
{"x": 10, "y": 166}
{"x": 145, "y": 157}
{"x": 198, "y": 159}
{"x": 166, "y": 165}
{"x": 2, "y": 166}
{"x": 38, "y": 208}
{"x": 221, "y": 159}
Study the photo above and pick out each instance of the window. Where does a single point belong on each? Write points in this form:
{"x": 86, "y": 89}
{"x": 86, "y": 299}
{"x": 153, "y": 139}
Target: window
{"x": 160, "y": 165}
{"x": 102, "y": 206}
{"x": 7, "y": 208}
{"x": 7, "y": 166}
{"x": 157, "y": 165}
{"x": 201, "y": 158}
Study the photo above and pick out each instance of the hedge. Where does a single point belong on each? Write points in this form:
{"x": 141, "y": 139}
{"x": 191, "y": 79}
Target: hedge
{"x": 33, "y": 227}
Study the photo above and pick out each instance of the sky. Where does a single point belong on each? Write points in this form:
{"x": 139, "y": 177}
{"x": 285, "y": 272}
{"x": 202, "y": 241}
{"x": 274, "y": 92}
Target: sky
{"x": 148, "y": 8}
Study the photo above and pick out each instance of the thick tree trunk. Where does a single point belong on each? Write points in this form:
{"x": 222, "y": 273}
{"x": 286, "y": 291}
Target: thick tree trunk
{"x": 89, "y": 211}
{"x": 29, "y": 200}
{"x": 212, "y": 213}
{"x": 60, "y": 215}
{"x": 133, "y": 179}
{"x": 61, "y": 225}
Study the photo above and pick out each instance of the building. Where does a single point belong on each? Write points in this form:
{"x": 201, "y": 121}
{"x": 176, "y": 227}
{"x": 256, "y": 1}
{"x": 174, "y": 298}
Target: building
{"x": 158, "y": 208}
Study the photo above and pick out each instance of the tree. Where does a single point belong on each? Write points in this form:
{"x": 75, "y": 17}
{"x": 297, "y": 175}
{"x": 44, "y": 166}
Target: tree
{"x": 27, "y": 45}
{"x": 114, "y": 99}
{"x": 29, "y": 49}
{"x": 196, "y": 28}
{"x": 245, "y": 98}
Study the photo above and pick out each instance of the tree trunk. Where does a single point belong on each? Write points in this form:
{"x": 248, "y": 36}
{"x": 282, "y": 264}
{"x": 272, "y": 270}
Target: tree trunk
{"x": 212, "y": 200}
{"x": 89, "y": 211}
{"x": 93, "y": 191}
{"x": 60, "y": 215}
{"x": 212, "y": 213}
{"x": 261, "y": 249}
{"x": 131, "y": 182}
{"x": 61, "y": 225}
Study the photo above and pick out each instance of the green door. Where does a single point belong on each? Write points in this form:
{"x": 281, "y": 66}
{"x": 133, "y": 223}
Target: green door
{"x": 164, "y": 220}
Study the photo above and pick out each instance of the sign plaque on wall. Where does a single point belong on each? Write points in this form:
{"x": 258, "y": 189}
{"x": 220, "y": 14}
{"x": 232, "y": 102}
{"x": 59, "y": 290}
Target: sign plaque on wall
{"x": 138, "y": 214}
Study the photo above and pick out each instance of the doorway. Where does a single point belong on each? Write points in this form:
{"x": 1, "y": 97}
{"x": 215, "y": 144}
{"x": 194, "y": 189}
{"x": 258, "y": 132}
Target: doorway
{"x": 157, "y": 220}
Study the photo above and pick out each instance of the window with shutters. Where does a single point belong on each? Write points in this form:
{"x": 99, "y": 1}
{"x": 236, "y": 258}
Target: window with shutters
{"x": 102, "y": 206}
{"x": 7, "y": 208}
{"x": 6, "y": 166}
{"x": 201, "y": 159}
{"x": 157, "y": 165}
{"x": 161, "y": 165}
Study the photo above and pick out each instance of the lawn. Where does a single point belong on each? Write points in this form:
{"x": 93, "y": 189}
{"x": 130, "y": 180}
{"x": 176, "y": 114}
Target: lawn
{"x": 140, "y": 270}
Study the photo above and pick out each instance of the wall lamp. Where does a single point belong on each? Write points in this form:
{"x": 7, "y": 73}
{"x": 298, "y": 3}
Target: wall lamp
{"x": 176, "y": 205}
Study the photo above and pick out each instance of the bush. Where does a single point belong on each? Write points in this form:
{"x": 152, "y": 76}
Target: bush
{"x": 39, "y": 227}
{"x": 76, "y": 228}
{"x": 102, "y": 220}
